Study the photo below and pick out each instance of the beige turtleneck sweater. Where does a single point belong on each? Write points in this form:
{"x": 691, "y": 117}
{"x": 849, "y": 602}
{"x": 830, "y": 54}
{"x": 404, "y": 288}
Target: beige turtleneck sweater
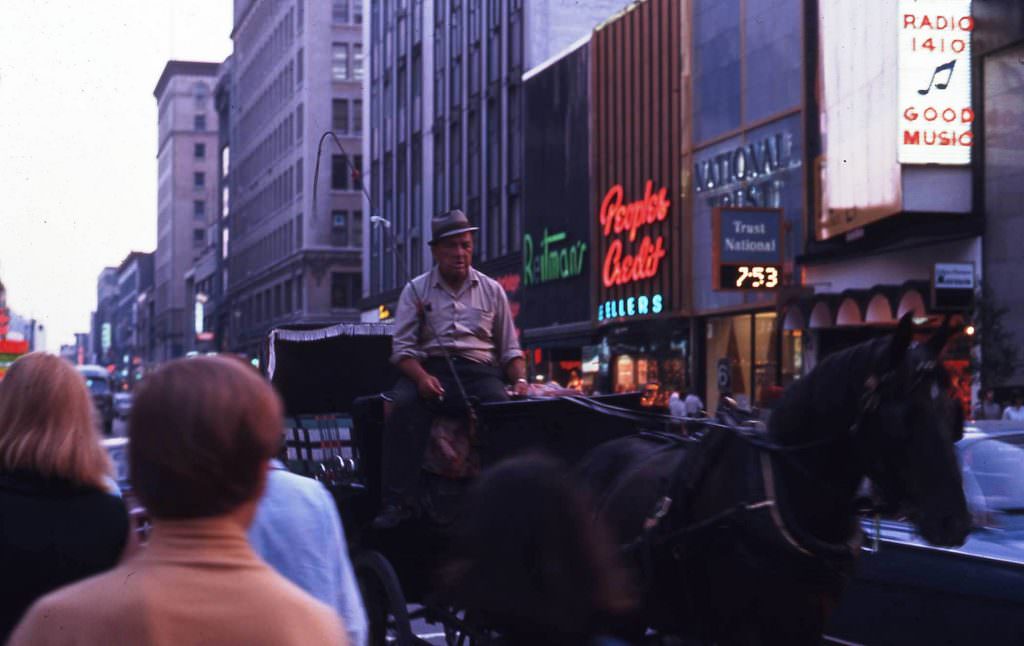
{"x": 197, "y": 582}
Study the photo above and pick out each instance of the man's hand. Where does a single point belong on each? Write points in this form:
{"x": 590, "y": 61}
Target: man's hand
{"x": 520, "y": 388}
{"x": 429, "y": 387}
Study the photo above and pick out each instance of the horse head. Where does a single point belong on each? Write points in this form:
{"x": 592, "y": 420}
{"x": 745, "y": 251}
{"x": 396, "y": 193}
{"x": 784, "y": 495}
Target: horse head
{"x": 908, "y": 424}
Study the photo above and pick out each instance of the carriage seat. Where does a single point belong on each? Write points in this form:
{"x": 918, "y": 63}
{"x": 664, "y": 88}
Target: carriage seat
{"x": 451, "y": 450}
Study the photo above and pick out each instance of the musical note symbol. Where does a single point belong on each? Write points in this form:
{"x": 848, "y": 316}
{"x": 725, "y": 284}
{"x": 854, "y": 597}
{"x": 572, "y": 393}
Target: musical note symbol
{"x": 945, "y": 67}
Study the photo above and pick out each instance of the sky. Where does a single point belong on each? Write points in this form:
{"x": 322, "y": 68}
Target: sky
{"x": 78, "y": 130}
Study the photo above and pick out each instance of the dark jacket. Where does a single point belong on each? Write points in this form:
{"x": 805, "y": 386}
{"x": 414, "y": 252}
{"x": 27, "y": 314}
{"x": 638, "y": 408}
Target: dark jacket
{"x": 52, "y": 533}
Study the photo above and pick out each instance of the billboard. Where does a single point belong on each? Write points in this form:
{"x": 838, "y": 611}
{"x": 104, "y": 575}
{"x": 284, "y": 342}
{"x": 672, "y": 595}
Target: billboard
{"x": 556, "y": 248}
{"x": 639, "y": 233}
{"x": 936, "y": 114}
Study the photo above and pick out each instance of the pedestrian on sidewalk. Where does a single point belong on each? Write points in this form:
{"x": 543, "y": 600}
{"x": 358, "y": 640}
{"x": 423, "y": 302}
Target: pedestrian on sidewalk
{"x": 298, "y": 532}
{"x": 988, "y": 407}
{"x": 59, "y": 523}
{"x": 1015, "y": 411}
{"x": 202, "y": 433}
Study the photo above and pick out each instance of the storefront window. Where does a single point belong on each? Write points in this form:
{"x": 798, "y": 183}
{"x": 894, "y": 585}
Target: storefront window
{"x": 656, "y": 366}
{"x": 729, "y": 359}
{"x": 625, "y": 377}
{"x": 766, "y": 366}
{"x": 743, "y": 360}
{"x": 792, "y": 356}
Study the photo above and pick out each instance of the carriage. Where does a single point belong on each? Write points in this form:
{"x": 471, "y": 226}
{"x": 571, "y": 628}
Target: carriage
{"x": 762, "y": 534}
{"x": 333, "y": 382}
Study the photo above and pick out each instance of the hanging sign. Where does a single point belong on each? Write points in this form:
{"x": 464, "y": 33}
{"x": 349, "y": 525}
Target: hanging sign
{"x": 747, "y": 248}
{"x": 936, "y": 115}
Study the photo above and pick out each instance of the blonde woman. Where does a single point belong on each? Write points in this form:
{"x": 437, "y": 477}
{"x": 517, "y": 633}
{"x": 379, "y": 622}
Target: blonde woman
{"x": 58, "y": 523}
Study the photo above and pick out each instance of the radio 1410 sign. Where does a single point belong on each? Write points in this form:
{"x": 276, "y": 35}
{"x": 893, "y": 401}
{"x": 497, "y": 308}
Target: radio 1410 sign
{"x": 747, "y": 248}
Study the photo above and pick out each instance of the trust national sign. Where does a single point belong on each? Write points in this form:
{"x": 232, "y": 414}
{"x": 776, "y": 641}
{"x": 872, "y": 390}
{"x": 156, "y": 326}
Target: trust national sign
{"x": 936, "y": 114}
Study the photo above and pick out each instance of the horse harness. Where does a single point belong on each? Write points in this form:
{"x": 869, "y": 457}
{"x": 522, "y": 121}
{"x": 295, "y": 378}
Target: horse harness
{"x": 694, "y": 466}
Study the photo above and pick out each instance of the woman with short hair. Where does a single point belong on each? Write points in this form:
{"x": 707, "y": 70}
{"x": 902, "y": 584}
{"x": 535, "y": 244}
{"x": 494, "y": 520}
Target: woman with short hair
{"x": 58, "y": 522}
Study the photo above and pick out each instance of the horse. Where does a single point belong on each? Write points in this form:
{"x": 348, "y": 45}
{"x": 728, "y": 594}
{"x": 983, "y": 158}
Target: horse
{"x": 749, "y": 535}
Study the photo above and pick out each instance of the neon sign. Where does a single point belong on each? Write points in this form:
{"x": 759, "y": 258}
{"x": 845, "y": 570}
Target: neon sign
{"x": 620, "y": 268}
{"x": 631, "y": 306}
{"x": 552, "y": 263}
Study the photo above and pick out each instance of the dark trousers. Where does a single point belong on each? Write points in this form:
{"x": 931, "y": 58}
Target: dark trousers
{"x": 408, "y": 427}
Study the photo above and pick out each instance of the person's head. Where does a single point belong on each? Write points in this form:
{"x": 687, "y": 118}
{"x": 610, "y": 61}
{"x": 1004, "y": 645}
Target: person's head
{"x": 451, "y": 244}
{"x": 1018, "y": 399}
{"x": 673, "y": 397}
{"x": 202, "y": 431}
{"x": 988, "y": 394}
{"x": 529, "y": 527}
{"x": 47, "y": 422}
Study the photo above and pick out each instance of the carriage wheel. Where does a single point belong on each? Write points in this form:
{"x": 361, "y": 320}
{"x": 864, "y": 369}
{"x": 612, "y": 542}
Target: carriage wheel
{"x": 384, "y": 600}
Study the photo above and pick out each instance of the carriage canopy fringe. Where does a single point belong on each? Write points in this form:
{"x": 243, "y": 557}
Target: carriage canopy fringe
{"x": 318, "y": 334}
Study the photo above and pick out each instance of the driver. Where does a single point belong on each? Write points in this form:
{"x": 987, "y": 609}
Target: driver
{"x": 451, "y": 309}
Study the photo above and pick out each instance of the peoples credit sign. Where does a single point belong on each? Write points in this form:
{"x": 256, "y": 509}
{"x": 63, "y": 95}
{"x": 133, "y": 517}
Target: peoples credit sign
{"x": 936, "y": 115}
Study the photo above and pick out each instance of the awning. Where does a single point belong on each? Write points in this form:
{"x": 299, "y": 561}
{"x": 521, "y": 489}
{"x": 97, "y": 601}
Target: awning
{"x": 562, "y": 335}
{"x": 881, "y": 305}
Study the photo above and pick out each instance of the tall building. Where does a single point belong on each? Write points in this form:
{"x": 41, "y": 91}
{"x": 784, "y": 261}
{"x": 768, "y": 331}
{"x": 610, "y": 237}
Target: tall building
{"x": 186, "y": 195}
{"x": 293, "y": 257}
{"x": 134, "y": 277}
{"x": 445, "y": 111}
{"x": 103, "y": 317}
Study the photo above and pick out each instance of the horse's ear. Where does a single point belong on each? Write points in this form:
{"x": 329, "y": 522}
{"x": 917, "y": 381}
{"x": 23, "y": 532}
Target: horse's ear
{"x": 939, "y": 339}
{"x": 902, "y": 338}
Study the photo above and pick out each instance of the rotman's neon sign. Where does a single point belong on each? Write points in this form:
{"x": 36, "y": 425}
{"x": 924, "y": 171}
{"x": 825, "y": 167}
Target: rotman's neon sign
{"x": 617, "y": 218}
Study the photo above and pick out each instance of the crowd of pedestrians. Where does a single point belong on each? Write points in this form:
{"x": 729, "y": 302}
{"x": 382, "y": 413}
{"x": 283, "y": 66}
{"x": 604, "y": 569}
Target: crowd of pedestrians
{"x": 204, "y": 434}
{"x": 988, "y": 408}
{"x": 241, "y": 551}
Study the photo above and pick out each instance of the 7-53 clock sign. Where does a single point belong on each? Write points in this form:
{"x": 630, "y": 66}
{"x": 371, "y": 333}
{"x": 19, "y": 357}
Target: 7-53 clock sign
{"x": 747, "y": 248}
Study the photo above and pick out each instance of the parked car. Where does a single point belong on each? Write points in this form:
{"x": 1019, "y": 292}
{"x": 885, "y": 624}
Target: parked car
{"x": 101, "y": 387}
{"x": 122, "y": 405}
{"x": 909, "y": 592}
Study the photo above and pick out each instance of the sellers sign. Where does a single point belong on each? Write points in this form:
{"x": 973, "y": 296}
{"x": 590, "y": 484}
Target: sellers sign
{"x": 936, "y": 114}
{"x": 747, "y": 248}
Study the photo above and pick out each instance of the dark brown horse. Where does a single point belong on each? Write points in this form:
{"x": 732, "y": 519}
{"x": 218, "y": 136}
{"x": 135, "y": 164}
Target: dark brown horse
{"x": 748, "y": 536}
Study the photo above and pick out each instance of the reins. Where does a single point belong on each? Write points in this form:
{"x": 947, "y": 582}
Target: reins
{"x": 799, "y": 540}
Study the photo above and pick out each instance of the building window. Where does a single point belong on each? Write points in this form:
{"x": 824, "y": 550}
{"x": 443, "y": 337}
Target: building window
{"x": 357, "y": 117}
{"x": 198, "y": 237}
{"x": 339, "y": 173}
{"x": 339, "y": 11}
{"x": 339, "y": 109}
{"x": 199, "y": 209}
{"x": 199, "y": 122}
{"x": 357, "y": 12}
{"x": 357, "y": 62}
{"x": 299, "y": 65}
{"x": 199, "y": 180}
{"x": 455, "y": 152}
{"x": 339, "y": 62}
{"x": 356, "y": 229}
{"x": 339, "y": 226}
{"x": 200, "y": 92}
{"x": 456, "y": 82}
{"x": 439, "y": 168}
{"x": 344, "y": 289}
{"x": 298, "y": 123}
{"x": 199, "y": 151}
